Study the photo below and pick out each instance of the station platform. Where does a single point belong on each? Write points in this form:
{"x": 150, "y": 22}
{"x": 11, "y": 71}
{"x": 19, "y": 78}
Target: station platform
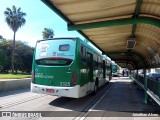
{"x": 124, "y": 99}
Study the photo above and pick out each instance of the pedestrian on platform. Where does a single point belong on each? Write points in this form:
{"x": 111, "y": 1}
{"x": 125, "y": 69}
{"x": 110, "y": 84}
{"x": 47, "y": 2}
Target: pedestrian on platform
{"x": 123, "y": 73}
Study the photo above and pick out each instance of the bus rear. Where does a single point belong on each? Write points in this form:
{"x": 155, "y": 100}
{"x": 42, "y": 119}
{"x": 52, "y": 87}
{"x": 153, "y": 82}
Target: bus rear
{"x": 53, "y": 68}
{"x": 114, "y": 70}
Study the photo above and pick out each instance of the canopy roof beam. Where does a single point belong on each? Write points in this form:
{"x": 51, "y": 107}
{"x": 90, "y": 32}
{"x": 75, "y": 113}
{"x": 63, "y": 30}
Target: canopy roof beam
{"x": 117, "y": 22}
{"x": 135, "y": 16}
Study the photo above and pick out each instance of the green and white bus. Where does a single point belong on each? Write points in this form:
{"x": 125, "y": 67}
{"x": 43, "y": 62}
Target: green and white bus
{"x": 68, "y": 67}
{"x": 116, "y": 70}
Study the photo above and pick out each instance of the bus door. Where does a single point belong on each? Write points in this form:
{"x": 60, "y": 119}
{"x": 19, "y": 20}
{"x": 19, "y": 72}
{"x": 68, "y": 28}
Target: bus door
{"x": 90, "y": 70}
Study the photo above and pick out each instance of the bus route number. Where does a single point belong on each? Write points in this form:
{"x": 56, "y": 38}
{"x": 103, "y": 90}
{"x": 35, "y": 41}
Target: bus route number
{"x": 65, "y": 84}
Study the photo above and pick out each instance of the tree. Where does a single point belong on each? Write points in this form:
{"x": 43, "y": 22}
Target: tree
{"x": 47, "y": 33}
{"x": 1, "y": 37}
{"x": 24, "y": 56}
{"x": 5, "y": 55}
{"x": 15, "y": 20}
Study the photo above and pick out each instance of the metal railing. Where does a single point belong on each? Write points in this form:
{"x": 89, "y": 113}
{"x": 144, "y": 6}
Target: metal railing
{"x": 153, "y": 87}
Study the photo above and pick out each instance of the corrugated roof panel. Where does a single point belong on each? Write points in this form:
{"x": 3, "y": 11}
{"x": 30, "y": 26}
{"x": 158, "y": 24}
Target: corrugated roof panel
{"x": 85, "y": 10}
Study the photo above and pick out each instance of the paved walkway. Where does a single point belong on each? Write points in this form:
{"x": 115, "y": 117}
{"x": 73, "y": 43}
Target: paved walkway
{"x": 124, "y": 99}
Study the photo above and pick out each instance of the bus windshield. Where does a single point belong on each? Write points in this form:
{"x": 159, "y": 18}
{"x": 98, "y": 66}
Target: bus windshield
{"x": 56, "y": 52}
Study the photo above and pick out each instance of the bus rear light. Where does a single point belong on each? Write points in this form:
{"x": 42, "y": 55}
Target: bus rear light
{"x": 32, "y": 77}
{"x": 74, "y": 79}
{"x": 50, "y": 90}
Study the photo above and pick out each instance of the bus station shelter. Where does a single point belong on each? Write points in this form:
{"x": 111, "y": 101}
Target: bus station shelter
{"x": 128, "y": 31}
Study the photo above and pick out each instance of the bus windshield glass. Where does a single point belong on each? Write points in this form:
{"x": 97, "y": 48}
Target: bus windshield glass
{"x": 56, "y": 52}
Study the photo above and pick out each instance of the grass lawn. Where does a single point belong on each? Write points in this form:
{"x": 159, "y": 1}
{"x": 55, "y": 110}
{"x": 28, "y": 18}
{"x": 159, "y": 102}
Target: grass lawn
{"x": 15, "y": 76}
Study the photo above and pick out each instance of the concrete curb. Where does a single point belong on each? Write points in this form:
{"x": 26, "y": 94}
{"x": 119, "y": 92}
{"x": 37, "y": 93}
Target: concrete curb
{"x": 9, "y": 85}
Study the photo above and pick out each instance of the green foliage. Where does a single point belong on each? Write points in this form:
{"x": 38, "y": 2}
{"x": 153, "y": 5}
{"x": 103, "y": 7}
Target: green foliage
{"x": 1, "y": 37}
{"x": 47, "y": 33}
{"x": 14, "y": 18}
{"x": 14, "y": 76}
{"x": 23, "y": 56}
{"x": 5, "y": 56}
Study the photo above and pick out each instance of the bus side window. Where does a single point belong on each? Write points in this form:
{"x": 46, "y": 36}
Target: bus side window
{"x": 83, "y": 53}
{"x": 95, "y": 60}
{"x": 99, "y": 61}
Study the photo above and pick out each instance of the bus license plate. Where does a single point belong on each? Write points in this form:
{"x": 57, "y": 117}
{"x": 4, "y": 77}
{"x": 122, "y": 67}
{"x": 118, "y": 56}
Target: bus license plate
{"x": 50, "y": 90}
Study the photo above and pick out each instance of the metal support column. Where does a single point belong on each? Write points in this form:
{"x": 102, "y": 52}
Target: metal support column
{"x": 145, "y": 86}
{"x": 137, "y": 77}
{"x": 130, "y": 74}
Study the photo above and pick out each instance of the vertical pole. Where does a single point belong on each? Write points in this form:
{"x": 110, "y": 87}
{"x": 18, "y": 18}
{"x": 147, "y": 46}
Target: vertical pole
{"x": 137, "y": 75}
{"x": 145, "y": 86}
{"x": 111, "y": 71}
{"x": 130, "y": 74}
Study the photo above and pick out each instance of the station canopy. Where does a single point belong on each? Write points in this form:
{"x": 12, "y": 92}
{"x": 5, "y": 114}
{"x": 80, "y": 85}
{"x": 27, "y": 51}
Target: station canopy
{"x": 128, "y": 31}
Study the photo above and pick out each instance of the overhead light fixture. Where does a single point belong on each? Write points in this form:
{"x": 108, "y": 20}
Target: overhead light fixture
{"x": 131, "y": 42}
{"x": 122, "y": 53}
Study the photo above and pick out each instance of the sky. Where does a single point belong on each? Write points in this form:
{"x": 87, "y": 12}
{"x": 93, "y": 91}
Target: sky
{"x": 39, "y": 16}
